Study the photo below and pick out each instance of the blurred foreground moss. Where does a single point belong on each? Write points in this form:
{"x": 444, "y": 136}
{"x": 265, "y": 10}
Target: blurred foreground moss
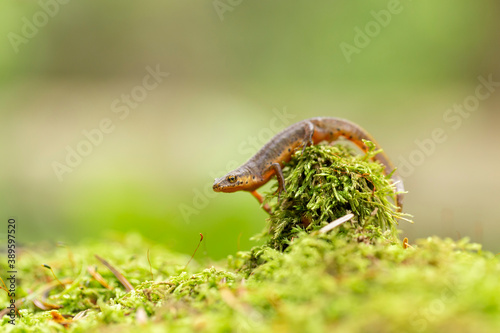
{"x": 356, "y": 277}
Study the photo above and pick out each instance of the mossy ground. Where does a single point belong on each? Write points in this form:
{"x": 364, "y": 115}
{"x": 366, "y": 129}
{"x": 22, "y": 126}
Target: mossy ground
{"x": 357, "y": 277}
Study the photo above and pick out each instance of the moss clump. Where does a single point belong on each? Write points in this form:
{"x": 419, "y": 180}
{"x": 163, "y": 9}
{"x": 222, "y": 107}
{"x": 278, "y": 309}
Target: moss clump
{"x": 326, "y": 182}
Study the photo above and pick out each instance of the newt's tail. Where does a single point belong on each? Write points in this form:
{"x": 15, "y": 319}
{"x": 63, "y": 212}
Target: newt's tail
{"x": 330, "y": 129}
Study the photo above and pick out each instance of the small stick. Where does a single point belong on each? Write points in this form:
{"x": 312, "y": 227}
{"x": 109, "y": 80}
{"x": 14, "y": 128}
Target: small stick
{"x": 45, "y": 306}
{"x": 335, "y": 223}
{"x": 98, "y": 277}
{"x": 150, "y": 268}
{"x": 123, "y": 280}
{"x": 5, "y": 287}
{"x": 55, "y": 277}
{"x": 194, "y": 251}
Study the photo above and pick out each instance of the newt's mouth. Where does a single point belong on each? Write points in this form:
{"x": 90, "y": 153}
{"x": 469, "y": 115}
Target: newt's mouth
{"x": 216, "y": 187}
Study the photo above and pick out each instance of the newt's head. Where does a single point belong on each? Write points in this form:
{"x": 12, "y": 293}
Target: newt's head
{"x": 237, "y": 180}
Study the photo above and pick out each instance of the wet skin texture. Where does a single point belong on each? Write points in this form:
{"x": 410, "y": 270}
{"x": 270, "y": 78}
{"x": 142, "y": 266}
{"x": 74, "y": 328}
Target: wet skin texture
{"x": 268, "y": 161}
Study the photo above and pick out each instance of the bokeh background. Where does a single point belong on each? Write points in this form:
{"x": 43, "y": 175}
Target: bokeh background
{"x": 233, "y": 66}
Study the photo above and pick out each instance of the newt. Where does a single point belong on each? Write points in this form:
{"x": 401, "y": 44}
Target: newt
{"x": 268, "y": 161}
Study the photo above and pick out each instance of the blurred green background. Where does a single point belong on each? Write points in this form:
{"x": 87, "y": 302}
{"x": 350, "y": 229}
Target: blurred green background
{"x": 232, "y": 66}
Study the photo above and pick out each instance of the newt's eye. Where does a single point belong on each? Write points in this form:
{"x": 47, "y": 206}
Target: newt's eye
{"x": 231, "y": 178}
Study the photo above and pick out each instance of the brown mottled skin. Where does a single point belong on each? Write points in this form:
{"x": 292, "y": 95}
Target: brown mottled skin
{"x": 269, "y": 160}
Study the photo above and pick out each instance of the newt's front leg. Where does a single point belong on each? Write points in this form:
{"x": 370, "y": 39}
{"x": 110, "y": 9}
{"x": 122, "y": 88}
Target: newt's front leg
{"x": 281, "y": 180}
{"x": 261, "y": 200}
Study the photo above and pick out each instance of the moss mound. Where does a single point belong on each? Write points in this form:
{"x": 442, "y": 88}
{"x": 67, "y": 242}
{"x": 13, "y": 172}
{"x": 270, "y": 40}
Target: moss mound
{"x": 327, "y": 182}
{"x": 355, "y": 277}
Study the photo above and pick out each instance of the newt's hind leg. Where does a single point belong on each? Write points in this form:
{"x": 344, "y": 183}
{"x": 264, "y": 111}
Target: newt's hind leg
{"x": 261, "y": 200}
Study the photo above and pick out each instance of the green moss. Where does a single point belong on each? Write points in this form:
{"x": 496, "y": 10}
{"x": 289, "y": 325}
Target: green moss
{"x": 356, "y": 277}
{"x": 327, "y": 182}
